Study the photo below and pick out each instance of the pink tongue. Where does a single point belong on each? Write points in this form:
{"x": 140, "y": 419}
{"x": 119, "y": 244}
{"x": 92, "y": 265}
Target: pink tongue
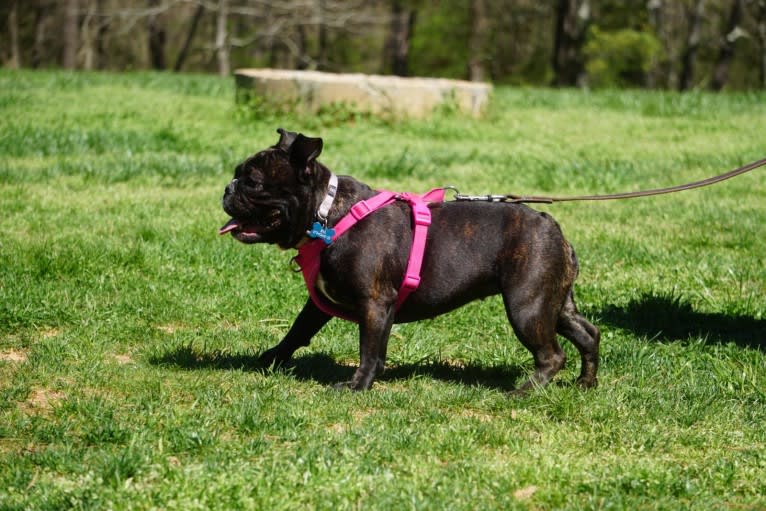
{"x": 230, "y": 226}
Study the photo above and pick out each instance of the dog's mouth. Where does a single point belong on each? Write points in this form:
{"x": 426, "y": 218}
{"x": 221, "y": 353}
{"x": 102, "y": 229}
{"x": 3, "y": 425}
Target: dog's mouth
{"x": 252, "y": 231}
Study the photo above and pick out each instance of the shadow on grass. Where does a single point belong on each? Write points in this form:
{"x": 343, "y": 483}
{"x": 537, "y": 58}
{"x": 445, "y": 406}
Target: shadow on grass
{"x": 668, "y": 318}
{"x": 323, "y": 369}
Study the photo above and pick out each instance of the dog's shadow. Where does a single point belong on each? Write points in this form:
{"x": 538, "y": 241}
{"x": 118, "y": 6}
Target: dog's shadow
{"x": 323, "y": 369}
{"x": 669, "y": 318}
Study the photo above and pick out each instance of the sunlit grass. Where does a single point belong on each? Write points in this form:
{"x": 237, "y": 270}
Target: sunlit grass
{"x": 129, "y": 330}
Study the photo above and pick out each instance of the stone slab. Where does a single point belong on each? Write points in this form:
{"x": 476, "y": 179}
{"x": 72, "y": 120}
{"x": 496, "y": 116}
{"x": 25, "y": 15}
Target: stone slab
{"x": 409, "y": 97}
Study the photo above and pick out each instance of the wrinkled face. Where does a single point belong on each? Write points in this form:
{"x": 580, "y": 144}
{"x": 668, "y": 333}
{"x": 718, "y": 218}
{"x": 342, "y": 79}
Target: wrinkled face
{"x": 269, "y": 199}
{"x": 261, "y": 198}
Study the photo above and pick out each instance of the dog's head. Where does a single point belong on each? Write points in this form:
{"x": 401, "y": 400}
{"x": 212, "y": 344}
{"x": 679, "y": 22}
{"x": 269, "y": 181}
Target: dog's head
{"x": 272, "y": 196}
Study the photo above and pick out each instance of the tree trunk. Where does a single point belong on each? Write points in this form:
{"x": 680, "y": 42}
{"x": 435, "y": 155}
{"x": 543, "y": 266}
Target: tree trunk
{"x": 71, "y": 34}
{"x": 157, "y": 38}
{"x": 728, "y": 45}
{"x": 89, "y": 35}
{"x": 572, "y": 21}
{"x": 221, "y": 38}
{"x": 477, "y": 46}
{"x": 303, "y": 58}
{"x": 41, "y": 20}
{"x": 322, "y": 37}
{"x": 14, "y": 61}
{"x": 762, "y": 37}
{"x": 101, "y": 34}
{"x": 184, "y": 53}
{"x": 689, "y": 57}
{"x": 397, "y": 49}
{"x": 656, "y": 21}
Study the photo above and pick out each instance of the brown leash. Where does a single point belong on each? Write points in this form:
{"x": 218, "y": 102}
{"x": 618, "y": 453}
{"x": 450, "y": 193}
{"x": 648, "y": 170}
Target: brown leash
{"x": 626, "y": 195}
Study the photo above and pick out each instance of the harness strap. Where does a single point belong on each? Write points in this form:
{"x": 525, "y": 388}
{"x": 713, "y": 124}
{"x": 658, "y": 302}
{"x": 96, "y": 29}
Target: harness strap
{"x": 421, "y": 217}
{"x": 309, "y": 255}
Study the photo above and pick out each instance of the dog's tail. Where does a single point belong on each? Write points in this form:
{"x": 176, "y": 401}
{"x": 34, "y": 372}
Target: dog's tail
{"x": 575, "y": 262}
{"x": 574, "y": 270}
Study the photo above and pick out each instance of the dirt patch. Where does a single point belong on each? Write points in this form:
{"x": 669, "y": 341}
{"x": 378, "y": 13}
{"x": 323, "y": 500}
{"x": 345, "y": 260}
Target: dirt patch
{"x": 124, "y": 359}
{"x": 50, "y": 332}
{"x": 169, "y": 329}
{"x": 13, "y": 356}
{"x": 41, "y": 401}
{"x": 525, "y": 493}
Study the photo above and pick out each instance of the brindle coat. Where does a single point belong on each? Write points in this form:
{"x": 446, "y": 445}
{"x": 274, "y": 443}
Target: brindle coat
{"x": 474, "y": 250}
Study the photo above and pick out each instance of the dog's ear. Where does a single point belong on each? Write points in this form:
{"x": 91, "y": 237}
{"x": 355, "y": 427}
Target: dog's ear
{"x": 304, "y": 151}
{"x": 286, "y": 139}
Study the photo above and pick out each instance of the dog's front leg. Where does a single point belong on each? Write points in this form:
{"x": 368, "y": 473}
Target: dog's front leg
{"x": 306, "y": 325}
{"x": 374, "y": 330}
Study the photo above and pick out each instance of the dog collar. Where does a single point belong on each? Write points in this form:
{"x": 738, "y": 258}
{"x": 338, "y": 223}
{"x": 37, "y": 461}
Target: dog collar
{"x": 319, "y": 230}
{"x": 324, "y": 207}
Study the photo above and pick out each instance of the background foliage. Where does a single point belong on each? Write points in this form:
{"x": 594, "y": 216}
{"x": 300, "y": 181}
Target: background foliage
{"x": 683, "y": 44}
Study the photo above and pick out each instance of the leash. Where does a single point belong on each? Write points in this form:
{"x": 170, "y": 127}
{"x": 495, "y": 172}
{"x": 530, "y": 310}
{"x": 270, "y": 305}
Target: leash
{"x": 613, "y": 196}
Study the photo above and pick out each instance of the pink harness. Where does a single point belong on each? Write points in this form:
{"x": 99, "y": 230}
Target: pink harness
{"x": 308, "y": 257}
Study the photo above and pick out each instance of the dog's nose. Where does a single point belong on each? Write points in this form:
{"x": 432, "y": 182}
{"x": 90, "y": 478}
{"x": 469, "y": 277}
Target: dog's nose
{"x": 230, "y": 187}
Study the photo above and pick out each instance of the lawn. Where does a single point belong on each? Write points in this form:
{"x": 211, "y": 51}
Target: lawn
{"x": 130, "y": 331}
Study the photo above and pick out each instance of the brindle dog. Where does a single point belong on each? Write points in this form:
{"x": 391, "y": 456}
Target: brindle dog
{"x": 474, "y": 250}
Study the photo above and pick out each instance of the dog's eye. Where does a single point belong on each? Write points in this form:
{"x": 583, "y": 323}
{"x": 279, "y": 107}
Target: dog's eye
{"x": 249, "y": 182}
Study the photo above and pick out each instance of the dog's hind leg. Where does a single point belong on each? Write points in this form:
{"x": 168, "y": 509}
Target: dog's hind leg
{"x": 585, "y": 336}
{"x": 309, "y": 321}
{"x": 536, "y": 329}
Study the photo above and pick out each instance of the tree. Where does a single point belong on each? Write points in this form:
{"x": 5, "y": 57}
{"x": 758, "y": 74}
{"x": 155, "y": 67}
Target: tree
{"x": 572, "y": 20}
{"x": 762, "y": 40}
{"x": 71, "y": 34}
{"x": 14, "y": 60}
{"x": 397, "y": 48}
{"x": 728, "y": 43}
{"x": 157, "y": 36}
{"x": 184, "y": 51}
{"x": 222, "y": 38}
{"x": 689, "y": 57}
{"x": 477, "y": 45}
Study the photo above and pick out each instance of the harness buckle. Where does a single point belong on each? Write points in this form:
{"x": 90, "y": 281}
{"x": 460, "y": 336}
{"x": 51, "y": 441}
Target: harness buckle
{"x": 360, "y": 210}
{"x": 411, "y": 282}
{"x": 421, "y": 214}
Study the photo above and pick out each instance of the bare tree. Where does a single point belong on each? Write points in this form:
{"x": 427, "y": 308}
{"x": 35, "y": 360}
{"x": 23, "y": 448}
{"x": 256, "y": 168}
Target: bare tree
{"x": 762, "y": 39}
{"x": 41, "y": 21}
{"x": 71, "y": 34}
{"x": 572, "y": 20}
{"x": 728, "y": 45}
{"x": 657, "y": 22}
{"x": 689, "y": 57}
{"x": 184, "y": 52}
{"x": 477, "y": 45}
{"x": 222, "y": 38}
{"x": 157, "y": 37}
{"x": 397, "y": 48}
{"x": 14, "y": 60}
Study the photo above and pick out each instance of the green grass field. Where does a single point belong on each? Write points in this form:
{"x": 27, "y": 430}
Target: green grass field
{"x": 129, "y": 330}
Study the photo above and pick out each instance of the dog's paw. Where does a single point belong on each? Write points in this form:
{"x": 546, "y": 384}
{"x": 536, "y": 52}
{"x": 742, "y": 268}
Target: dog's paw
{"x": 349, "y": 386}
{"x": 342, "y": 386}
{"x": 272, "y": 357}
{"x": 587, "y": 383}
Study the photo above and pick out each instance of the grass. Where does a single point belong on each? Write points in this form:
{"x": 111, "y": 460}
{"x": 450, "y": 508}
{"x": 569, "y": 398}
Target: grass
{"x": 129, "y": 331}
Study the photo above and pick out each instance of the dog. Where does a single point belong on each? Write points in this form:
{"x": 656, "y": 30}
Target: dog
{"x": 474, "y": 250}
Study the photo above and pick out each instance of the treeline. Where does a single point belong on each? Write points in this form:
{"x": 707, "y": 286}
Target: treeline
{"x": 682, "y": 44}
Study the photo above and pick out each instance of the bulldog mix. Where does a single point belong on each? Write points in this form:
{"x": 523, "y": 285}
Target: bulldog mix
{"x": 284, "y": 196}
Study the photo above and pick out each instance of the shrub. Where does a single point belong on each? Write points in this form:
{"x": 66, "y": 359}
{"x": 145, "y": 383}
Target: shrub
{"x": 619, "y": 58}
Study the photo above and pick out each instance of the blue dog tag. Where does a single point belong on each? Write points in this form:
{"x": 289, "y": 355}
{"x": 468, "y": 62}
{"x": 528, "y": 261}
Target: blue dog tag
{"x": 323, "y": 233}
